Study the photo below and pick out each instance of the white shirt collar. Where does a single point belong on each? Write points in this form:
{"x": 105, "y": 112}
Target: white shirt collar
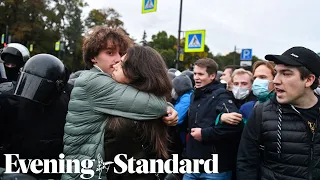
{"x": 98, "y": 68}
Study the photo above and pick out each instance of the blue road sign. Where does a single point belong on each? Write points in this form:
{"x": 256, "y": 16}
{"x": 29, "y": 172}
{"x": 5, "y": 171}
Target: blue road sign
{"x": 149, "y": 6}
{"x": 246, "y": 54}
{"x": 195, "y": 41}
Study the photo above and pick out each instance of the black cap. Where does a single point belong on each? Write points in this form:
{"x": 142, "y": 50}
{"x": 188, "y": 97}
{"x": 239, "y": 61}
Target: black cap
{"x": 298, "y": 56}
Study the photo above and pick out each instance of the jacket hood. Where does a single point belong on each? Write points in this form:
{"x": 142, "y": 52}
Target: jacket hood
{"x": 73, "y": 77}
{"x": 182, "y": 84}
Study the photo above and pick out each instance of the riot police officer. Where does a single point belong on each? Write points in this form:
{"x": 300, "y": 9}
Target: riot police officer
{"x": 14, "y": 56}
{"x": 33, "y": 117}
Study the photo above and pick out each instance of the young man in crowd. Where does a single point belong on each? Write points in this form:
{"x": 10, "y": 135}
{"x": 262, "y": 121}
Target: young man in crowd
{"x": 287, "y": 126}
{"x": 209, "y": 99}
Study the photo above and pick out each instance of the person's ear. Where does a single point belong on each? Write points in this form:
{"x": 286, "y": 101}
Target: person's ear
{"x": 310, "y": 80}
{"x": 94, "y": 60}
{"x": 212, "y": 76}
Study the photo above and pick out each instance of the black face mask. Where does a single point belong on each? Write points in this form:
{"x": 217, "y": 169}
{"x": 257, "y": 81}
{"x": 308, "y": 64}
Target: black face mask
{"x": 12, "y": 73}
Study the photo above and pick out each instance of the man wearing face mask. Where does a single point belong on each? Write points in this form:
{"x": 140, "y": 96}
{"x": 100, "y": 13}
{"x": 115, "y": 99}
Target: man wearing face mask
{"x": 262, "y": 86}
{"x": 14, "y": 56}
{"x": 317, "y": 90}
{"x": 241, "y": 86}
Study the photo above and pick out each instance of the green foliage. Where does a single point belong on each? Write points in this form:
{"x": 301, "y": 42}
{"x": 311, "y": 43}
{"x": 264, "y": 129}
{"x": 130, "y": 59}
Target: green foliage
{"x": 44, "y": 22}
{"x": 167, "y": 46}
{"x": 109, "y": 17}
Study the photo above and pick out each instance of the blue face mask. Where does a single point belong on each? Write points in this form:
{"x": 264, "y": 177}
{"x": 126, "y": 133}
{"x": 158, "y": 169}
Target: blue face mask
{"x": 260, "y": 87}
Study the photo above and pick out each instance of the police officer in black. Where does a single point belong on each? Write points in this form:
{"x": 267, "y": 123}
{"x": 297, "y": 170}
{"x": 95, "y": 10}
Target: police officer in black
{"x": 13, "y": 58}
{"x": 33, "y": 118}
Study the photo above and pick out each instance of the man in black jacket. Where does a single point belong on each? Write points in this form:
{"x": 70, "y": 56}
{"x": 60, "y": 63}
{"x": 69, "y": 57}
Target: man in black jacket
{"x": 207, "y": 135}
{"x": 282, "y": 139}
{"x": 33, "y": 118}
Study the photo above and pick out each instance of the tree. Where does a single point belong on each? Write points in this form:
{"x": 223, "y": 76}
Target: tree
{"x": 229, "y": 58}
{"x": 96, "y": 17}
{"x": 42, "y": 23}
{"x": 109, "y": 17}
{"x": 168, "y": 56}
{"x": 29, "y": 22}
{"x": 165, "y": 46}
{"x": 144, "y": 41}
{"x": 162, "y": 41}
{"x": 71, "y": 30}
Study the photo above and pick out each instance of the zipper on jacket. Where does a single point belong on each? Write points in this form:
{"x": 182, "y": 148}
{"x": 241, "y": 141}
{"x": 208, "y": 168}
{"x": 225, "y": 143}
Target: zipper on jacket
{"x": 225, "y": 106}
{"x": 312, "y": 151}
{"x": 311, "y": 158}
{"x": 197, "y": 113}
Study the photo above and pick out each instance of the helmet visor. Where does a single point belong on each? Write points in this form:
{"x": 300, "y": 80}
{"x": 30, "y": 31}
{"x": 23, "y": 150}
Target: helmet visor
{"x": 35, "y": 88}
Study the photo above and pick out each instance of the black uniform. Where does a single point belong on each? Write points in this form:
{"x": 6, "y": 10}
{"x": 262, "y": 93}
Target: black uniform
{"x": 32, "y": 120}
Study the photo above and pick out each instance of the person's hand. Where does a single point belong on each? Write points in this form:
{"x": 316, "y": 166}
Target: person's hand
{"x": 231, "y": 118}
{"x": 171, "y": 119}
{"x": 196, "y": 134}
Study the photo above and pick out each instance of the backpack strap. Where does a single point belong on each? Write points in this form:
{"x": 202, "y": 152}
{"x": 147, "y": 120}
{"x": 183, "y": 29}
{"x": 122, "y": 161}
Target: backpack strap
{"x": 258, "y": 115}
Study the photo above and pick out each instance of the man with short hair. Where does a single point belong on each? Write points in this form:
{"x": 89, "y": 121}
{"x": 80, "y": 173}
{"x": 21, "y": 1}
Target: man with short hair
{"x": 206, "y": 137}
{"x": 226, "y": 75}
{"x": 287, "y": 126}
{"x": 262, "y": 87}
{"x": 241, "y": 86}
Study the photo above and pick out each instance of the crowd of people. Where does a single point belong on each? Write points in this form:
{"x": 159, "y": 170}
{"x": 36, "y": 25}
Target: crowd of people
{"x": 262, "y": 122}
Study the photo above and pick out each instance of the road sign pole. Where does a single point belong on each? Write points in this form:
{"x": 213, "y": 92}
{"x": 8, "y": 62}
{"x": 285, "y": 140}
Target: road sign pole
{"x": 7, "y": 34}
{"x": 179, "y": 32}
{"x": 234, "y": 55}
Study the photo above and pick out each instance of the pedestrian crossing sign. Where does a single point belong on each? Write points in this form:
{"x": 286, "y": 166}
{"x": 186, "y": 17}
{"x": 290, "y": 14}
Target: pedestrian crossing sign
{"x": 194, "y": 41}
{"x": 149, "y": 6}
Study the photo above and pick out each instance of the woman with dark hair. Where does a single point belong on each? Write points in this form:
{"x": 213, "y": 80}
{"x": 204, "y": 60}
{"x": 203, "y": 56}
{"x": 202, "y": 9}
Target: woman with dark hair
{"x": 144, "y": 69}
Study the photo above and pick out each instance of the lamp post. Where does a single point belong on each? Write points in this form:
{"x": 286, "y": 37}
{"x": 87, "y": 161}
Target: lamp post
{"x": 179, "y": 32}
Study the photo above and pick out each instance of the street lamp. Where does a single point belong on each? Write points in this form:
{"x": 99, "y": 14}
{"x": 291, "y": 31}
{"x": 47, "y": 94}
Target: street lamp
{"x": 179, "y": 31}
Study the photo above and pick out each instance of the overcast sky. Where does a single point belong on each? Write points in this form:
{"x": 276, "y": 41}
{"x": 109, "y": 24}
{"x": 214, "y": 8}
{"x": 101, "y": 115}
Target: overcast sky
{"x": 266, "y": 26}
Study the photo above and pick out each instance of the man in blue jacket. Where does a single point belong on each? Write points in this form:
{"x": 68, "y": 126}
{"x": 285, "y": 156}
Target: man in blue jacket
{"x": 209, "y": 99}
{"x": 182, "y": 91}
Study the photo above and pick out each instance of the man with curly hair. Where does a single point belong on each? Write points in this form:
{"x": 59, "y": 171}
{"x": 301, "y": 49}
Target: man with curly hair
{"x": 96, "y": 96}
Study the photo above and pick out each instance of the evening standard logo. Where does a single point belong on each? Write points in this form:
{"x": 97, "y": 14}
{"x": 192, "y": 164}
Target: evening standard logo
{"x": 87, "y": 171}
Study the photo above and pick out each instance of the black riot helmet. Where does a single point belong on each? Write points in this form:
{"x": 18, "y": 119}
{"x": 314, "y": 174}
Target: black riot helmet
{"x": 42, "y": 79}
{"x": 14, "y": 56}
